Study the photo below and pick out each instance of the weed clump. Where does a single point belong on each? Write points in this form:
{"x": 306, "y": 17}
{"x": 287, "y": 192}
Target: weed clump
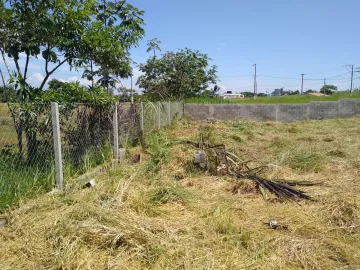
{"x": 307, "y": 162}
{"x": 158, "y": 147}
{"x": 167, "y": 194}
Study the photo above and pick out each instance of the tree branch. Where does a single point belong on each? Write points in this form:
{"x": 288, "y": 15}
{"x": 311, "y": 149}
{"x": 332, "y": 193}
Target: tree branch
{"x": 26, "y": 66}
{"x": 2, "y": 77}
{"x": 47, "y": 61}
{"x": 48, "y": 74}
{"x": 18, "y": 68}
{"x": 4, "y": 59}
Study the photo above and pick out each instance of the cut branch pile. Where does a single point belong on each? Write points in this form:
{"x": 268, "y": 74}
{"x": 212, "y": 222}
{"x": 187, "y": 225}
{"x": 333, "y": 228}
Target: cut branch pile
{"x": 220, "y": 161}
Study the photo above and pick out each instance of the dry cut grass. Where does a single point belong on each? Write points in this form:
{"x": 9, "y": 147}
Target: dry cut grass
{"x": 165, "y": 213}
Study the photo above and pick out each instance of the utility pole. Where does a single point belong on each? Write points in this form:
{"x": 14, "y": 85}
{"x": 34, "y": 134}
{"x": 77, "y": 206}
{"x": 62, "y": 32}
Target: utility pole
{"x": 255, "y": 86}
{"x": 302, "y": 82}
{"x": 324, "y": 81}
{"x": 352, "y": 77}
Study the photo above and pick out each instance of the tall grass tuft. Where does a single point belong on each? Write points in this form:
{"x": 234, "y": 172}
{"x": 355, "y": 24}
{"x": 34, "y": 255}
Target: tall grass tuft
{"x": 158, "y": 147}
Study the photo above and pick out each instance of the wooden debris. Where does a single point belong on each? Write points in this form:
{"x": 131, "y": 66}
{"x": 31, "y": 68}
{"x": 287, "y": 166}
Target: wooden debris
{"x": 221, "y": 161}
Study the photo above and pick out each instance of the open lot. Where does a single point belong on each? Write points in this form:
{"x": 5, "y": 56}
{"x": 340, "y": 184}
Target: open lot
{"x": 165, "y": 213}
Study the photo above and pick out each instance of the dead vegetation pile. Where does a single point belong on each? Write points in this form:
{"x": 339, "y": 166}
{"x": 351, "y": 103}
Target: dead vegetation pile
{"x": 167, "y": 213}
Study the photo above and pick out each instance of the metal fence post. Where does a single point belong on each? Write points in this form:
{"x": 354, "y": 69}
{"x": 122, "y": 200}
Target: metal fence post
{"x": 57, "y": 145}
{"x": 159, "y": 114}
{"x": 169, "y": 111}
{"x": 116, "y": 132}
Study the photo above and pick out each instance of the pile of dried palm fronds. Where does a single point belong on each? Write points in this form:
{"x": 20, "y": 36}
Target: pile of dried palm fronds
{"x": 220, "y": 161}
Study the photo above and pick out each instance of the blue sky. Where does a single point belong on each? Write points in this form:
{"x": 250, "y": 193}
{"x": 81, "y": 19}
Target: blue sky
{"x": 283, "y": 37}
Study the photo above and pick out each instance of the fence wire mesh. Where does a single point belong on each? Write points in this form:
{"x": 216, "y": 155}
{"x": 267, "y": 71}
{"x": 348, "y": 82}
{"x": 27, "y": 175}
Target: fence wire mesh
{"x": 27, "y": 156}
{"x": 26, "y": 150}
{"x": 86, "y": 133}
{"x": 128, "y": 123}
{"x": 159, "y": 114}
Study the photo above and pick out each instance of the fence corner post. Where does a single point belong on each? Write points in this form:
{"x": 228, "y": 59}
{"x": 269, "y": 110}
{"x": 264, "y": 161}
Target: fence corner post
{"x": 57, "y": 145}
{"x": 116, "y": 132}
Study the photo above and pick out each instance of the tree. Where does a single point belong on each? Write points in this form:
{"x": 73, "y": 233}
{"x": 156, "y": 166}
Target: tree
{"x": 74, "y": 32}
{"x": 215, "y": 90}
{"x": 55, "y": 84}
{"x": 7, "y": 94}
{"x": 177, "y": 75}
{"x": 328, "y": 89}
{"x": 153, "y": 45}
{"x": 119, "y": 31}
{"x": 124, "y": 94}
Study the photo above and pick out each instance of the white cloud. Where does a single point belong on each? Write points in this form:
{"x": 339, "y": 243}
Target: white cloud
{"x": 82, "y": 81}
{"x": 35, "y": 79}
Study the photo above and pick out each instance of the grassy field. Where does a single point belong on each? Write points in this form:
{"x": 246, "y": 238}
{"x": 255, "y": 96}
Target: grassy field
{"x": 271, "y": 100}
{"x": 164, "y": 213}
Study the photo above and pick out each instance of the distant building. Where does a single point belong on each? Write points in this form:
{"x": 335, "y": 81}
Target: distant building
{"x": 277, "y": 92}
{"x": 229, "y": 94}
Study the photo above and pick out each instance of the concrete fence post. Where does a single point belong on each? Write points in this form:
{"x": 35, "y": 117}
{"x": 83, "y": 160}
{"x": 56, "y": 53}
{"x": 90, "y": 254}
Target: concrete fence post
{"x": 142, "y": 118}
{"x": 277, "y": 112}
{"x": 308, "y": 111}
{"x": 159, "y": 114}
{"x": 57, "y": 145}
{"x": 169, "y": 112}
{"x": 116, "y": 132}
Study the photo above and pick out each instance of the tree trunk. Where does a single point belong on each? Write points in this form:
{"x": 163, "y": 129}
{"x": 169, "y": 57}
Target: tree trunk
{"x": 19, "y": 139}
{"x": 2, "y": 77}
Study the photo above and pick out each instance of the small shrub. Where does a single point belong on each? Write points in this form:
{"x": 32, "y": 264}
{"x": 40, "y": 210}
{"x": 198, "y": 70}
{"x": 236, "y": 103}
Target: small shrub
{"x": 158, "y": 146}
{"x": 206, "y": 134}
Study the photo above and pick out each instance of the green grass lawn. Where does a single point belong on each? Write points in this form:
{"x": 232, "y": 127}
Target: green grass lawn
{"x": 272, "y": 100}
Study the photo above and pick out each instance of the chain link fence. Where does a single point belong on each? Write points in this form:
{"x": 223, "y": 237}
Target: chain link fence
{"x": 86, "y": 133}
{"x": 88, "y": 136}
{"x": 26, "y": 150}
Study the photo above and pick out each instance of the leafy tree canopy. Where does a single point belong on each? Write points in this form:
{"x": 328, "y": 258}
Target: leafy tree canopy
{"x": 79, "y": 33}
{"x": 328, "y": 89}
{"x": 177, "y": 75}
